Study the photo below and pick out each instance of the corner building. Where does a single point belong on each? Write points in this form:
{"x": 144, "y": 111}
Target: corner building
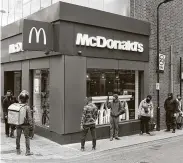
{"x": 61, "y": 77}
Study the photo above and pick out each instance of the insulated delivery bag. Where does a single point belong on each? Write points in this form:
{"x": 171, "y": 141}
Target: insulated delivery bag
{"x": 16, "y": 114}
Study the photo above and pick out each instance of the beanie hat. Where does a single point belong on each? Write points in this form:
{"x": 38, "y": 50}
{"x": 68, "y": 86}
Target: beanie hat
{"x": 116, "y": 96}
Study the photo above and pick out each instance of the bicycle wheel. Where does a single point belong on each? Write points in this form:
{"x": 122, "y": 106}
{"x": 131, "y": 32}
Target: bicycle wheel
{"x": 43, "y": 119}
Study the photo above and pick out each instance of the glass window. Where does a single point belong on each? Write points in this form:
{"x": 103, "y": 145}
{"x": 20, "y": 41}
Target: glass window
{"x": 17, "y": 83}
{"x": 81, "y": 2}
{"x": 55, "y": 1}
{"x": 18, "y": 11}
{"x": 67, "y": 1}
{"x": 4, "y": 15}
{"x": 96, "y": 4}
{"x": 35, "y": 6}
{"x": 41, "y": 96}
{"x": 102, "y": 83}
{"x": 45, "y": 3}
{"x": 26, "y": 9}
{"x": 120, "y": 7}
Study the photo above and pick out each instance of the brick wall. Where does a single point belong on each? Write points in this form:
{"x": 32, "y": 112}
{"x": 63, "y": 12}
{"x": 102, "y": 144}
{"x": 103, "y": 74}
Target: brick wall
{"x": 171, "y": 33}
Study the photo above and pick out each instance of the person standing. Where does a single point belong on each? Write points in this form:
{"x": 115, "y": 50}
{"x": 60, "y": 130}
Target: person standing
{"x": 8, "y": 100}
{"x": 179, "y": 118}
{"x": 88, "y": 121}
{"x": 171, "y": 107}
{"x": 145, "y": 113}
{"x": 25, "y": 127}
{"x": 117, "y": 109}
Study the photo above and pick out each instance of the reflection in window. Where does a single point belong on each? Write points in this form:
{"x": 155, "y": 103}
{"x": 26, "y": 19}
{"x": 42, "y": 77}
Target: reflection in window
{"x": 18, "y": 10}
{"x": 80, "y": 2}
{"x": 41, "y": 96}
{"x": 45, "y": 3}
{"x": 26, "y": 9}
{"x": 35, "y": 6}
{"x": 103, "y": 83}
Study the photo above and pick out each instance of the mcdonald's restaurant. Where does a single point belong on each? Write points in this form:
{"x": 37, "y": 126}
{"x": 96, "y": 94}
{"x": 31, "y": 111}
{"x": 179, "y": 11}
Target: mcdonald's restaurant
{"x": 61, "y": 59}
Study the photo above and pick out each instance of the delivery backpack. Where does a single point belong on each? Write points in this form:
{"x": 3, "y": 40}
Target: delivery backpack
{"x": 17, "y": 113}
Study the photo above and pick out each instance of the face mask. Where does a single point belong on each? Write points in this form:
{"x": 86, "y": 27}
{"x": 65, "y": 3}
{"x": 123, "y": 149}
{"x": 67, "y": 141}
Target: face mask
{"x": 148, "y": 100}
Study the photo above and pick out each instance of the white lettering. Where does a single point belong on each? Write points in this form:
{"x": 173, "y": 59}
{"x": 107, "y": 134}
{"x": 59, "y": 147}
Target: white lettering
{"x": 110, "y": 44}
{"x": 82, "y": 39}
{"x": 14, "y": 48}
{"x": 140, "y": 48}
{"x": 93, "y": 41}
{"x": 102, "y": 42}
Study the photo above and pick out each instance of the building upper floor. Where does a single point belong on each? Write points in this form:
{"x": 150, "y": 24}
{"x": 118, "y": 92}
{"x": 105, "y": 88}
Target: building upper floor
{"x": 13, "y": 10}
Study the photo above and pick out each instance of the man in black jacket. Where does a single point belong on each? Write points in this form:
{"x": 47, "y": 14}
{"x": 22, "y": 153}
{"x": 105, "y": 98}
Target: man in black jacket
{"x": 171, "y": 108}
{"x": 116, "y": 110}
{"x": 8, "y": 100}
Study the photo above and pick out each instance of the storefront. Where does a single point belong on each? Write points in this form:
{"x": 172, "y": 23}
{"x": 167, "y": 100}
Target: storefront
{"x": 94, "y": 54}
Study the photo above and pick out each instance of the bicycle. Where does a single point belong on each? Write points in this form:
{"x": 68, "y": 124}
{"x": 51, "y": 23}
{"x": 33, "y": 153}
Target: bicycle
{"x": 45, "y": 117}
{"x": 31, "y": 131}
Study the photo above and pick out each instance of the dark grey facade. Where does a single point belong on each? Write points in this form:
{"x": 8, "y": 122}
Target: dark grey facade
{"x": 68, "y": 68}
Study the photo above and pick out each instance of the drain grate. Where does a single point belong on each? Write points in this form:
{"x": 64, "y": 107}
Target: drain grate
{"x": 9, "y": 151}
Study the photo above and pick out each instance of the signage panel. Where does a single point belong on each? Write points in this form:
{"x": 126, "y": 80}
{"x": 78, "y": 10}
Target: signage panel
{"x": 37, "y": 35}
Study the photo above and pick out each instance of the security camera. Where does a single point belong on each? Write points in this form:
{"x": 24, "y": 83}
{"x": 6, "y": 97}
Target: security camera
{"x": 79, "y": 52}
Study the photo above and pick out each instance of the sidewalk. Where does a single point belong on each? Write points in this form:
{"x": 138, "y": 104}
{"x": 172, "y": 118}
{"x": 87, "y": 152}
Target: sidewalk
{"x": 46, "y": 149}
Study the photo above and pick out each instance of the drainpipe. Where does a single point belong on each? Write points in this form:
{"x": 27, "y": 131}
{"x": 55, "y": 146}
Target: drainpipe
{"x": 181, "y": 76}
{"x": 171, "y": 70}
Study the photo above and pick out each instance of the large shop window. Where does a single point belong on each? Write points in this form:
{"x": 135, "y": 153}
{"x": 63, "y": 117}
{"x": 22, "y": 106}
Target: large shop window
{"x": 41, "y": 96}
{"x": 102, "y": 83}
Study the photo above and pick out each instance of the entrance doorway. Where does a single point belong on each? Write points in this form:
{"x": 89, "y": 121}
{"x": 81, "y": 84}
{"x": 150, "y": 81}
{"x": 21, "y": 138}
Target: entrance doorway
{"x": 13, "y": 82}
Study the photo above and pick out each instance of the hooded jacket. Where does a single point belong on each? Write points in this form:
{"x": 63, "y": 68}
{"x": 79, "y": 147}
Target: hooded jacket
{"x": 146, "y": 109}
{"x": 7, "y": 102}
{"x": 116, "y": 108}
{"x": 89, "y": 115}
{"x": 171, "y": 105}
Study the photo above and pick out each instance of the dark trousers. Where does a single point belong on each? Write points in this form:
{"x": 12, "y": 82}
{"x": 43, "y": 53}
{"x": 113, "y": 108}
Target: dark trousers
{"x": 25, "y": 129}
{"x": 144, "y": 124}
{"x": 7, "y": 128}
{"x": 114, "y": 128}
{"x": 170, "y": 120}
{"x": 84, "y": 134}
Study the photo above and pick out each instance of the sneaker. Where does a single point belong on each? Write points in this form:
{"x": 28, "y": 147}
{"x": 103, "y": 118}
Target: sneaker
{"x": 141, "y": 133}
{"x": 28, "y": 153}
{"x": 12, "y": 136}
{"x": 173, "y": 131}
{"x": 18, "y": 152}
{"x": 167, "y": 130}
{"x": 117, "y": 138}
{"x": 82, "y": 149}
{"x": 94, "y": 148}
{"x": 148, "y": 133}
{"x": 111, "y": 139}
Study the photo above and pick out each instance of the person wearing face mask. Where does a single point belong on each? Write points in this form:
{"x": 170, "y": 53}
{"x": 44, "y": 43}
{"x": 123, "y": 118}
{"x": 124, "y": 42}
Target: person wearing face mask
{"x": 117, "y": 109}
{"x": 145, "y": 113}
{"x": 8, "y": 100}
{"x": 171, "y": 108}
{"x": 179, "y": 118}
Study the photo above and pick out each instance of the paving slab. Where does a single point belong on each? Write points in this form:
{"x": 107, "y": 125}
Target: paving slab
{"x": 46, "y": 149}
